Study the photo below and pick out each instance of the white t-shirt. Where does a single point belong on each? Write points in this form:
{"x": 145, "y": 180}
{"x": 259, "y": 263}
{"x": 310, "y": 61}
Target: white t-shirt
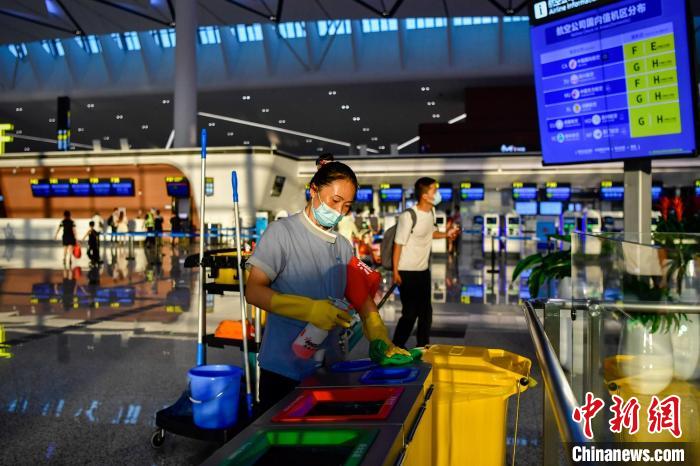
{"x": 415, "y": 254}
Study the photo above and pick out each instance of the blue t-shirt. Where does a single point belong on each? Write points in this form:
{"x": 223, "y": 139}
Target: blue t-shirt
{"x": 301, "y": 259}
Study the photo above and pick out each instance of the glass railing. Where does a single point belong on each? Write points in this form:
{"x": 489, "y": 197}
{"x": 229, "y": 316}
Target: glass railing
{"x": 627, "y": 339}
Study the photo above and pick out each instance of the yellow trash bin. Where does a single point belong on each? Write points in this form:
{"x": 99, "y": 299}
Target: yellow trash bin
{"x": 470, "y": 402}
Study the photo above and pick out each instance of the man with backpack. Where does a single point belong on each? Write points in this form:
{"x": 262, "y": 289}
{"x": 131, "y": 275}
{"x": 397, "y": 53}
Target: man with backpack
{"x": 412, "y": 241}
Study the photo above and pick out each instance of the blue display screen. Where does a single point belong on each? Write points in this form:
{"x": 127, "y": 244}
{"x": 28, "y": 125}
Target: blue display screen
{"x": 364, "y": 194}
{"x": 392, "y": 194}
{"x": 471, "y": 192}
{"x": 179, "y": 189}
{"x": 558, "y": 192}
{"x": 524, "y": 191}
{"x": 526, "y": 208}
{"x": 657, "y": 190}
{"x": 614, "y": 82}
{"x": 473, "y": 291}
{"x": 612, "y": 191}
{"x": 550, "y": 208}
{"x": 446, "y": 193}
{"x": 697, "y": 188}
{"x": 75, "y": 187}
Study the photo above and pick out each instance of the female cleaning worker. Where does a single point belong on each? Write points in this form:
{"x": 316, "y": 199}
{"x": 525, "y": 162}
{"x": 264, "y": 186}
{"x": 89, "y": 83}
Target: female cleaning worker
{"x": 298, "y": 265}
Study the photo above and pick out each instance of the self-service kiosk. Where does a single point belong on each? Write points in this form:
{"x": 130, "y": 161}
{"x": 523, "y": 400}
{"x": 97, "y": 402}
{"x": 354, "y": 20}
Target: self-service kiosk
{"x": 513, "y": 233}
{"x": 440, "y": 245}
{"x": 492, "y": 228}
{"x": 594, "y": 226}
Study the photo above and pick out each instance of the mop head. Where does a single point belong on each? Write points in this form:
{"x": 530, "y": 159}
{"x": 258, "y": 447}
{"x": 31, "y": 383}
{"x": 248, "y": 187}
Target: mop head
{"x": 377, "y": 353}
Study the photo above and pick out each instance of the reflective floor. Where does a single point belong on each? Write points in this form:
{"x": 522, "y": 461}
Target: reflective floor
{"x": 89, "y": 355}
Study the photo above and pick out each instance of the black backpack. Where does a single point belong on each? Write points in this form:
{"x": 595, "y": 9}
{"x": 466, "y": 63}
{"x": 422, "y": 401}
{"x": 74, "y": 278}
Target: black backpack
{"x": 387, "y": 247}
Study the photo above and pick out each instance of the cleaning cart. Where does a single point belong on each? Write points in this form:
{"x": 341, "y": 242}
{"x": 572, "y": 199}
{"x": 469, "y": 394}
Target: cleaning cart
{"x": 217, "y": 403}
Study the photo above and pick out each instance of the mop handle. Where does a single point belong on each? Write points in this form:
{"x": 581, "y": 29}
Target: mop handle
{"x": 234, "y": 185}
{"x": 201, "y": 317}
{"x": 244, "y": 313}
{"x": 386, "y": 296}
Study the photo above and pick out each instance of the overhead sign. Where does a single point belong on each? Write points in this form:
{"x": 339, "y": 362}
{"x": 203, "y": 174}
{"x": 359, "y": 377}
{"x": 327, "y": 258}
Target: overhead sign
{"x": 4, "y": 137}
{"x": 549, "y": 10}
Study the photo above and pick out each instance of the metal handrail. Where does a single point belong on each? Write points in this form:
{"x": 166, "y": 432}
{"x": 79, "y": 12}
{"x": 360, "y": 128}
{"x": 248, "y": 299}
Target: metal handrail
{"x": 557, "y": 387}
{"x": 631, "y": 307}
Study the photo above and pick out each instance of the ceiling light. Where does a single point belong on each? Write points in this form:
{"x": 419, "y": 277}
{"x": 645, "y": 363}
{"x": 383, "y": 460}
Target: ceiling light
{"x": 375, "y": 138}
{"x": 332, "y": 93}
{"x": 457, "y": 118}
{"x": 356, "y": 118}
{"x": 319, "y": 149}
{"x": 144, "y": 126}
{"x": 212, "y": 123}
{"x": 281, "y": 122}
{"x": 382, "y": 147}
{"x": 27, "y": 149}
{"x": 165, "y": 101}
{"x": 19, "y": 131}
{"x": 425, "y": 88}
{"x": 80, "y": 130}
{"x": 431, "y": 103}
{"x": 245, "y": 97}
{"x": 230, "y": 133}
{"x": 52, "y": 120}
{"x": 90, "y": 105}
{"x": 266, "y": 110}
{"x": 309, "y": 140}
{"x": 365, "y": 130}
{"x": 18, "y": 109}
{"x": 436, "y": 115}
{"x": 345, "y": 107}
{"x": 106, "y": 138}
{"x": 119, "y": 116}
{"x": 246, "y": 142}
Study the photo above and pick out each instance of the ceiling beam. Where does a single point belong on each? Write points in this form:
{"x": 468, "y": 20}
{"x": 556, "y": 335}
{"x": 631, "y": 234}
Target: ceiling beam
{"x": 251, "y": 10}
{"x": 172, "y": 10}
{"x": 79, "y": 30}
{"x": 20, "y": 16}
{"x": 370, "y": 7}
{"x": 135, "y": 12}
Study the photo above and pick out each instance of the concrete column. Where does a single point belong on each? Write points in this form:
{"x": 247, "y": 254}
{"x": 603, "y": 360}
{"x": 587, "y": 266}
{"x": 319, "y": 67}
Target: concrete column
{"x": 185, "y": 108}
{"x": 638, "y": 200}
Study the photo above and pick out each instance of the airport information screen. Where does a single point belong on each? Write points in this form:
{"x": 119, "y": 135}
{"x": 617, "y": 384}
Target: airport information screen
{"x": 82, "y": 187}
{"x": 524, "y": 191}
{"x": 469, "y": 191}
{"x": 614, "y": 82}
{"x": 612, "y": 190}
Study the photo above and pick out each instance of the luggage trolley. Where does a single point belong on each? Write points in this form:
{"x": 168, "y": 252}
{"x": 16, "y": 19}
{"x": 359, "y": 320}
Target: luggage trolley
{"x": 225, "y": 268}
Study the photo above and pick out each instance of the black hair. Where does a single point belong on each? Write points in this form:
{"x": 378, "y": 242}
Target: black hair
{"x": 371, "y": 210}
{"x": 422, "y": 186}
{"x": 92, "y": 224}
{"x": 324, "y": 158}
{"x": 66, "y": 214}
{"x": 332, "y": 171}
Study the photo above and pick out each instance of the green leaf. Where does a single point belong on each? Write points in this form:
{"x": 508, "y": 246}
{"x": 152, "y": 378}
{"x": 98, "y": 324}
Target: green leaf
{"x": 565, "y": 238}
{"x": 527, "y": 263}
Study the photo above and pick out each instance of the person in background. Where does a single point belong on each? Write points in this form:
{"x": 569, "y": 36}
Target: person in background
{"x": 174, "y": 229}
{"x": 69, "y": 236}
{"x": 347, "y": 228}
{"x": 99, "y": 225}
{"x": 122, "y": 225}
{"x": 112, "y": 223}
{"x": 158, "y": 226}
{"x": 150, "y": 224}
{"x": 411, "y": 263}
{"x": 359, "y": 219}
{"x": 93, "y": 238}
{"x": 448, "y": 225}
{"x": 373, "y": 221}
{"x": 324, "y": 159}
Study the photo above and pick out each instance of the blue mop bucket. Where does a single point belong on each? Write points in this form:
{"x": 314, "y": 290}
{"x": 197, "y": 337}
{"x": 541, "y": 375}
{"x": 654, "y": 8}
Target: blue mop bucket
{"x": 214, "y": 392}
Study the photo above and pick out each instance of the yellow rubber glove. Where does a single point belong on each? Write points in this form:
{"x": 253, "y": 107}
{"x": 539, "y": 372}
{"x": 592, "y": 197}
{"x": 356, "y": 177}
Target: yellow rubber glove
{"x": 374, "y": 329}
{"x": 319, "y": 312}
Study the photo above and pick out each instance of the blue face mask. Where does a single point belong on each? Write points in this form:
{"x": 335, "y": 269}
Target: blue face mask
{"x": 437, "y": 198}
{"x": 326, "y": 216}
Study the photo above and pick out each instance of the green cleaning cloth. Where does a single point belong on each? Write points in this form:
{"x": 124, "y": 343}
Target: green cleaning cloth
{"x": 377, "y": 353}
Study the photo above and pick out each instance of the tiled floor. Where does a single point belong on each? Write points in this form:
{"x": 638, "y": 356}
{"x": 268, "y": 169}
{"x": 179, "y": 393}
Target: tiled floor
{"x": 93, "y": 354}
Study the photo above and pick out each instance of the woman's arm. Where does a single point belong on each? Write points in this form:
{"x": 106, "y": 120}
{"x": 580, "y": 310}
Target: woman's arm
{"x": 58, "y": 230}
{"x": 257, "y": 289}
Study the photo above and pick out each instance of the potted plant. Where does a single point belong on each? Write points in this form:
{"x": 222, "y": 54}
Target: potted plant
{"x": 545, "y": 267}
